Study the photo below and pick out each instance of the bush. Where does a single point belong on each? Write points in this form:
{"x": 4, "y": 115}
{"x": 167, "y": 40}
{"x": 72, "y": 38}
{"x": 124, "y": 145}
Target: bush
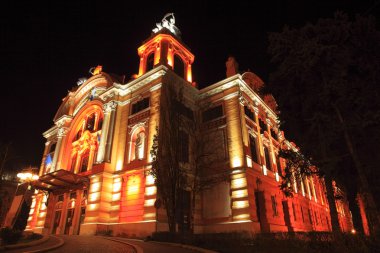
{"x": 104, "y": 232}
{"x": 10, "y": 236}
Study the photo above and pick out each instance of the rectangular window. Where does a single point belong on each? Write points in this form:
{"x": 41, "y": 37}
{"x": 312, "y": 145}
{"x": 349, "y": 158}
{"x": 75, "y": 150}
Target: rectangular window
{"x": 274, "y": 205}
{"x": 263, "y": 126}
{"x": 278, "y": 163}
{"x": 294, "y": 211}
{"x": 303, "y": 218}
{"x": 73, "y": 195}
{"x": 249, "y": 113}
{"x": 140, "y": 105}
{"x": 84, "y": 163}
{"x": 184, "y": 110}
{"x": 273, "y": 134}
{"x": 183, "y": 147}
{"x": 310, "y": 219}
{"x": 213, "y": 113}
{"x": 252, "y": 142}
{"x": 60, "y": 197}
{"x": 267, "y": 158}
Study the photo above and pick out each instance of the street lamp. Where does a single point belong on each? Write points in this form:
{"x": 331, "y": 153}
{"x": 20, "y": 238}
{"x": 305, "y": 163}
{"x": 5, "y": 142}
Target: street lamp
{"x": 22, "y": 195}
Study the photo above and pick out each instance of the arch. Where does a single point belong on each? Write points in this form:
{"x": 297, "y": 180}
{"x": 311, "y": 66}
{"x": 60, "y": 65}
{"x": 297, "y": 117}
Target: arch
{"x": 137, "y": 147}
{"x": 179, "y": 66}
{"x": 83, "y": 139}
{"x": 149, "y": 61}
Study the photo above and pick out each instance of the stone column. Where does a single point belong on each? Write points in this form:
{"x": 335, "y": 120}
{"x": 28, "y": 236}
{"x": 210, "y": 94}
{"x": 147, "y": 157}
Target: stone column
{"x": 107, "y": 108}
{"x": 61, "y": 133}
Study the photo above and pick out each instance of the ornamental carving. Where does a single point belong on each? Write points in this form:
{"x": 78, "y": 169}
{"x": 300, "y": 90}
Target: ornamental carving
{"x": 110, "y": 106}
{"x": 62, "y": 132}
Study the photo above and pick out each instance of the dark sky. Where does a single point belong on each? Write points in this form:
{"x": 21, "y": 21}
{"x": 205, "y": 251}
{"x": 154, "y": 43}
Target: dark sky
{"x": 46, "y": 47}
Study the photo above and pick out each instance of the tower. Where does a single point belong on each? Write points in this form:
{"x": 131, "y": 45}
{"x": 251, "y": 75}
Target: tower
{"x": 165, "y": 47}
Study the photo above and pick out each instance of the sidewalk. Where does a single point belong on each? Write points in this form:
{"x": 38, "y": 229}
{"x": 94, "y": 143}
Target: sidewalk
{"x": 54, "y": 243}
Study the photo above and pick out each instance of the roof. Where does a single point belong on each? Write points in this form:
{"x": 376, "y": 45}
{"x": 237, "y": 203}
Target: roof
{"x": 60, "y": 180}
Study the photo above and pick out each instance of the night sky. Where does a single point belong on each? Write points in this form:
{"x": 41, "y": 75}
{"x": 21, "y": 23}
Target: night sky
{"x": 46, "y": 47}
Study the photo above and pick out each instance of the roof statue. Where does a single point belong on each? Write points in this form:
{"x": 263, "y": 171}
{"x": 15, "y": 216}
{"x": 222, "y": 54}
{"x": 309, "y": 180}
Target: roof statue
{"x": 232, "y": 67}
{"x": 167, "y": 22}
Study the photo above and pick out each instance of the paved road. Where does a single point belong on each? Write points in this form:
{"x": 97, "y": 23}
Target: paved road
{"x": 97, "y": 244}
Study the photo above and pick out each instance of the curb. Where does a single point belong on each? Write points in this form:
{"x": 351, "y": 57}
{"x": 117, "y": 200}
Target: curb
{"x": 186, "y": 246}
{"x": 61, "y": 242}
{"x": 138, "y": 249}
{"x": 26, "y": 244}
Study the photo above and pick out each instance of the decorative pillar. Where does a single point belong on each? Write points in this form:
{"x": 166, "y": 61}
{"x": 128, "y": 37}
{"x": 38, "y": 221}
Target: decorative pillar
{"x": 107, "y": 108}
{"x": 61, "y": 133}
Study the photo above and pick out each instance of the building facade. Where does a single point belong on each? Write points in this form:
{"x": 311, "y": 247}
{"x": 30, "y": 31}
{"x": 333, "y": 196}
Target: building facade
{"x": 95, "y": 168}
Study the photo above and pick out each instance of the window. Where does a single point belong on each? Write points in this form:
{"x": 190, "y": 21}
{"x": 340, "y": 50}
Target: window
{"x": 274, "y": 205}
{"x": 60, "y": 197}
{"x": 73, "y": 195}
{"x": 294, "y": 211}
{"x": 252, "y": 142}
{"x": 278, "y": 163}
{"x": 263, "y": 126}
{"x": 249, "y": 113}
{"x": 138, "y": 144}
{"x": 140, "y": 105}
{"x": 273, "y": 134}
{"x": 52, "y": 147}
{"x": 184, "y": 147}
{"x": 213, "y": 113}
{"x": 90, "y": 123}
{"x": 267, "y": 158}
{"x": 183, "y": 110}
{"x": 303, "y": 218}
{"x": 84, "y": 163}
{"x": 179, "y": 67}
{"x": 150, "y": 62}
{"x": 310, "y": 219}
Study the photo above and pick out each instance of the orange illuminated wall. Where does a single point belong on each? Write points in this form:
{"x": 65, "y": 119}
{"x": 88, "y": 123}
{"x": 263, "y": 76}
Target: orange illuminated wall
{"x": 132, "y": 202}
{"x": 164, "y": 47}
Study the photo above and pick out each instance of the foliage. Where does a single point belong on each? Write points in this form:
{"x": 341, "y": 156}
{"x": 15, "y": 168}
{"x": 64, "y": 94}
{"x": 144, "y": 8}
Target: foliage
{"x": 10, "y": 236}
{"x": 326, "y": 83}
{"x": 166, "y": 168}
{"x": 297, "y": 167}
{"x": 313, "y": 242}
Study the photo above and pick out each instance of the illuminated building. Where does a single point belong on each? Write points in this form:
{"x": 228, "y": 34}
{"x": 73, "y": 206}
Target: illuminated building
{"x": 96, "y": 161}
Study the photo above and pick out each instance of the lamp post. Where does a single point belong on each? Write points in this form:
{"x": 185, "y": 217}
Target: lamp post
{"x": 25, "y": 177}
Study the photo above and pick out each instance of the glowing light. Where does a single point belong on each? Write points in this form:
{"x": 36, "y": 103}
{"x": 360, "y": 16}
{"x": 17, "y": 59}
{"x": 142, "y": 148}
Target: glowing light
{"x": 236, "y": 162}
{"x": 150, "y": 190}
{"x": 265, "y": 170}
{"x": 240, "y": 204}
{"x": 238, "y": 183}
{"x": 93, "y": 206}
{"x": 116, "y": 186}
{"x": 31, "y": 211}
{"x": 249, "y": 162}
{"x": 94, "y": 196}
{"x": 42, "y": 214}
{"x": 239, "y": 194}
{"x": 189, "y": 76}
{"x": 277, "y": 177}
{"x": 133, "y": 185}
{"x": 72, "y": 204}
{"x": 33, "y": 203}
{"x": 116, "y": 196}
{"x": 149, "y": 202}
{"x": 244, "y": 216}
{"x": 149, "y": 180}
{"x": 353, "y": 231}
{"x": 119, "y": 165}
{"x": 95, "y": 187}
{"x": 149, "y": 215}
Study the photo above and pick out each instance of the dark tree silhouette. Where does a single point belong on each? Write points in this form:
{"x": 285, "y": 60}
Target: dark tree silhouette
{"x": 326, "y": 81}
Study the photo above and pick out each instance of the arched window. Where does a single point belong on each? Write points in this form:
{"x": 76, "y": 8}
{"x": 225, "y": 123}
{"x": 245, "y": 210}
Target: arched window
{"x": 179, "y": 66}
{"x": 150, "y": 62}
{"x": 138, "y": 144}
{"x": 85, "y": 141}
